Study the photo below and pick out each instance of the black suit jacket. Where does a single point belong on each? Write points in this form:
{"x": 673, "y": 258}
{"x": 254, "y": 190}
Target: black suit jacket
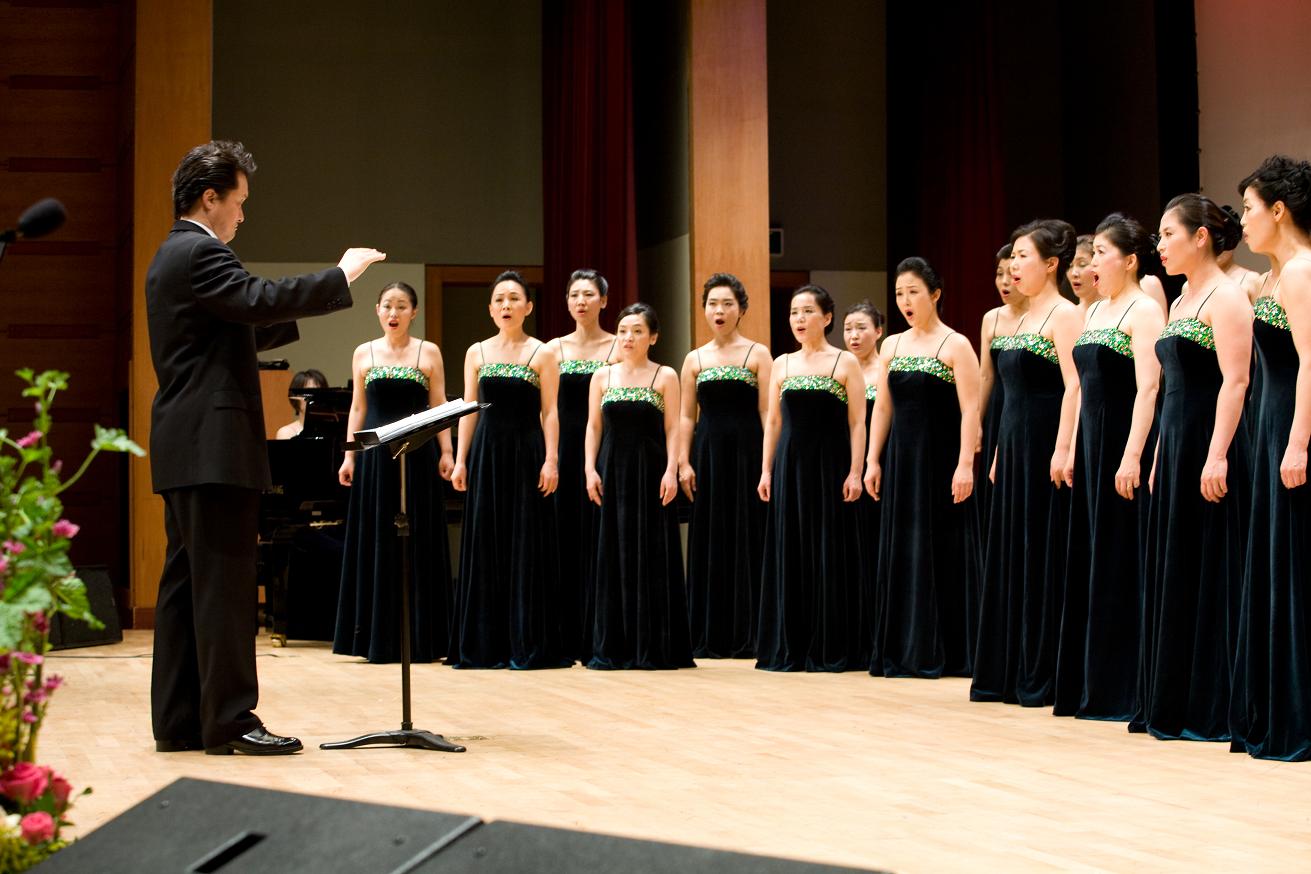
{"x": 207, "y": 319}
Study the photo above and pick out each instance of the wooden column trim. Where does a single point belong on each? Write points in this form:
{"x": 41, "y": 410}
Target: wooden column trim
{"x": 172, "y": 113}
{"x": 729, "y": 155}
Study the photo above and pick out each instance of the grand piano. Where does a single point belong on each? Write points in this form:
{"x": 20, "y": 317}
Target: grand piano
{"x": 302, "y": 522}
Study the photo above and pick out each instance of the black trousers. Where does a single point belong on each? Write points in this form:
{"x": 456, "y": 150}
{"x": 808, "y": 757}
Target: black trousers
{"x": 203, "y": 682}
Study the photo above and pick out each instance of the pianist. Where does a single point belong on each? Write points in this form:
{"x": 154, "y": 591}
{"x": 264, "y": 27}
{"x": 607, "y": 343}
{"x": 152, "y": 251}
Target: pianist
{"x": 303, "y": 379}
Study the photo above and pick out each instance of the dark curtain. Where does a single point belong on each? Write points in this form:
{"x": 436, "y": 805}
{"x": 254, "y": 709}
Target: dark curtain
{"x": 587, "y": 155}
{"x": 946, "y": 197}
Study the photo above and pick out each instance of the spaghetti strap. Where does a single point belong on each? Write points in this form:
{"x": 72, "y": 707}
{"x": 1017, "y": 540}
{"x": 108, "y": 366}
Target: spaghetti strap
{"x": 481, "y": 354}
{"x": 896, "y": 346}
{"x": 836, "y": 359}
{"x": 996, "y": 319}
{"x": 560, "y": 342}
{"x": 787, "y": 364}
{"x": 1125, "y": 313}
{"x": 1049, "y": 315}
{"x": 1198, "y": 314}
{"x": 699, "y": 365}
{"x": 530, "y": 357}
{"x": 1016, "y": 331}
{"x": 1093, "y": 309}
{"x": 609, "y": 354}
{"x": 609, "y": 375}
{"x": 940, "y": 345}
{"x": 372, "y": 363}
{"x": 657, "y": 376}
{"x": 419, "y": 357}
{"x": 748, "y": 358}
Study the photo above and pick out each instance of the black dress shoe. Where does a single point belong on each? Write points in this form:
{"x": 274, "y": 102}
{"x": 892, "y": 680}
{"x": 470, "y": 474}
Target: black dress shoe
{"x": 178, "y": 746}
{"x": 258, "y": 743}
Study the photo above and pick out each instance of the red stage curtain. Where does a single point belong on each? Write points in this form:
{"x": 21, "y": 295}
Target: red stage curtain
{"x": 587, "y": 155}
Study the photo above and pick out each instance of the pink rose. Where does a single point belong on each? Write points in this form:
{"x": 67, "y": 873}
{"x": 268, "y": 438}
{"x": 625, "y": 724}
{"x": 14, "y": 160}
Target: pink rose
{"x": 62, "y": 789}
{"x": 40, "y": 622}
{"x": 38, "y": 827}
{"x": 4, "y": 563}
{"x": 30, "y": 440}
{"x": 64, "y": 528}
{"x": 24, "y": 782}
{"x": 13, "y": 547}
{"x": 29, "y": 658}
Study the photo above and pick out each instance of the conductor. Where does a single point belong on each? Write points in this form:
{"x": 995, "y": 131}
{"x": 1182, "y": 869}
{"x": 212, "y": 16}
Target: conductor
{"x": 207, "y": 319}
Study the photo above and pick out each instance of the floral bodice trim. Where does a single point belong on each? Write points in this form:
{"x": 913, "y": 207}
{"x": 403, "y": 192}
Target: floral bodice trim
{"x": 728, "y": 372}
{"x": 1039, "y": 345}
{"x": 815, "y": 383}
{"x": 640, "y": 394}
{"x": 511, "y": 371}
{"x": 396, "y": 371}
{"x": 1269, "y": 310}
{"x": 581, "y": 365}
{"x": 1000, "y": 343}
{"x": 1191, "y": 329}
{"x": 922, "y": 364}
{"x": 871, "y": 392}
{"x": 1112, "y": 338}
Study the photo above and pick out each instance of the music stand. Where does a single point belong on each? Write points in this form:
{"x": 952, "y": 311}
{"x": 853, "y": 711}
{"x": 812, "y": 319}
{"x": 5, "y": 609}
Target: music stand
{"x": 400, "y": 438}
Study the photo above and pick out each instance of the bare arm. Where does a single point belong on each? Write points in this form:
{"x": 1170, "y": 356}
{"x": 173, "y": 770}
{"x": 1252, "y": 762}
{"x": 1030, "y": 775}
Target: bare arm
{"x": 431, "y": 364}
{"x": 986, "y": 374}
{"x": 469, "y": 424}
{"x": 1295, "y": 295}
{"x": 1155, "y": 290}
{"x": 355, "y": 418}
{"x": 1065, "y": 330}
{"x": 879, "y": 425}
{"x": 854, "y": 381}
{"x": 548, "y": 371}
{"x": 1231, "y": 324}
{"x": 773, "y": 425}
{"x": 686, "y": 425}
{"x": 592, "y": 437}
{"x": 667, "y": 385}
{"x": 967, "y": 369}
{"x": 1145, "y": 327}
{"x": 764, "y": 369}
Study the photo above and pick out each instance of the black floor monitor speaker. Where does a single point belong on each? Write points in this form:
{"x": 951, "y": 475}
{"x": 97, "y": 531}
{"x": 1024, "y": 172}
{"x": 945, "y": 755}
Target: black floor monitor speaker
{"x": 202, "y": 827}
{"x": 68, "y": 633}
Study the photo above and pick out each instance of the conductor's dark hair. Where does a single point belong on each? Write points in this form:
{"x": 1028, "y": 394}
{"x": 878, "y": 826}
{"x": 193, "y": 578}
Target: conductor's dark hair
{"x": 511, "y": 276}
{"x": 212, "y": 165}
{"x": 1197, "y": 211}
{"x": 866, "y": 308}
{"x": 591, "y": 276}
{"x": 1281, "y": 178}
{"x": 646, "y": 311}
{"x": 1128, "y": 235}
{"x": 1052, "y": 238}
{"x": 403, "y": 286}
{"x": 923, "y": 269}
{"x": 1004, "y": 253}
{"x": 301, "y": 380}
{"x": 729, "y": 281}
{"x": 822, "y": 298}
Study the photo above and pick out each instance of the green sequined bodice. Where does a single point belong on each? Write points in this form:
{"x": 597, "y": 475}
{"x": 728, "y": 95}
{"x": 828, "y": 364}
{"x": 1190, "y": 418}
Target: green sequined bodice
{"x": 1191, "y": 329}
{"x": 1269, "y": 310}
{"x": 511, "y": 371}
{"x": 396, "y": 371}
{"x": 640, "y": 393}
{"x": 1112, "y": 338}
{"x": 581, "y": 365}
{"x": 728, "y": 372}
{"x": 815, "y": 383}
{"x": 871, "y": 392}
{"x": 922, "y": 364}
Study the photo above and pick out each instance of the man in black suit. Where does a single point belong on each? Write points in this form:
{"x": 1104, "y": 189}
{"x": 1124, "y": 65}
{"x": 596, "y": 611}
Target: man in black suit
{"x": 207, "y": 318}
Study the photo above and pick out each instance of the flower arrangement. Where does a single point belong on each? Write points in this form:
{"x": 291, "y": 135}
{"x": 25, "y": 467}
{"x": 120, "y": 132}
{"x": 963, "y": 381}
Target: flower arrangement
{"x": 37, "y": 582}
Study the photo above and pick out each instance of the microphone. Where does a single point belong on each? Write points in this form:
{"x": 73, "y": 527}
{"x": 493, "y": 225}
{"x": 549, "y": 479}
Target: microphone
{"x": 39, "y": 219}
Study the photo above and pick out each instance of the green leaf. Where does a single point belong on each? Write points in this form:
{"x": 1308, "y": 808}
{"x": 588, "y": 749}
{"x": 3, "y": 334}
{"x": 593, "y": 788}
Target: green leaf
{"x": 25, "y": 374}
{"x": 71, "y": 594}
{"x": 115, "y": 440}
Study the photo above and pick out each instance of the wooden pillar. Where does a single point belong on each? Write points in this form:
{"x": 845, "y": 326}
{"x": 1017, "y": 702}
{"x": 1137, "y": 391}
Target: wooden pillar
{"x": 173, "y": 73}
{"x": 729, "y": 167}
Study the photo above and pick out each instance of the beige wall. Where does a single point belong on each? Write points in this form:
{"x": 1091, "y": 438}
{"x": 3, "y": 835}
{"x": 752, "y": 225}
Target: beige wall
{"x": 666, "y": 282}
{"x": 1254, "y": 90}
{"x": 326, "y": 342}
{"x": 851, "y": 286}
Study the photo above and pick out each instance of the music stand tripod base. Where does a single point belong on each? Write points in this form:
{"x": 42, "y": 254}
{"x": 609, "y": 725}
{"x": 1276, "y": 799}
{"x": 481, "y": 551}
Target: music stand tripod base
{"x": 416, "y": 738}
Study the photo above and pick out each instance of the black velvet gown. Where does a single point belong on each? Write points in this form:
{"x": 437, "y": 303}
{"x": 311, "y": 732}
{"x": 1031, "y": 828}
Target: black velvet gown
{"x": 508, "y": 603}
{"x": 369, "y": 600}
{"x": 575, "y": 513}
{"x": 1024, "y": 567}
{"x": 929, "y": 545}
{"x": 813, "y": 603}
{"x": 726, "y": 531}
{"x": 869, "y": 513}
{"x": 640, "y": 611}
{"x": 1101, "y": 623}
{"x": 988, "y": 444}
{"x": 1195, "y": 552}
{"x": 1270, "y": 712}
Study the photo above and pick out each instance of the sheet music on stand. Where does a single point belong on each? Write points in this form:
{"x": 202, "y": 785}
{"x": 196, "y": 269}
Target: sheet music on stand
{"x": 452, "y": 409}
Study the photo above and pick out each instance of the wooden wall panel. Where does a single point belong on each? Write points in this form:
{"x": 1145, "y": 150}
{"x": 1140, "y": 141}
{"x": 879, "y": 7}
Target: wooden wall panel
{"x": 172, "y": 109}
{"x": 729, "y": 168}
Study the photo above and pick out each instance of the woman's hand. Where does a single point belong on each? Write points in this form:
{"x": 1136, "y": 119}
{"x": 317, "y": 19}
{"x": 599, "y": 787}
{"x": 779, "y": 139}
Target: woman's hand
{"x": 594, "y": 487}
{"x": 992, "y": 471}
{"x": 668, "y": 488}
{"x": 962, "y": 483}
{"x": 459, "y": 477}
{"x": 687, "y": 479}
{"x": 548, "y": 479}
{"x": 1292, "y": 470}
{"x": 1128, "y": 477}
{"x": 1057, "y": 469}
{"x": 874, "y": 479}
{"x": 1214, "y": 476}
{"x": 445, "y": 465}
{"x": 346, "y": 473}
{"x": 764, "y": 488}
{"x": 852, "y": 487}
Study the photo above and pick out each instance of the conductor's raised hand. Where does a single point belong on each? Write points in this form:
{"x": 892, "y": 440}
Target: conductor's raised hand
{"x": 355, "y": 261}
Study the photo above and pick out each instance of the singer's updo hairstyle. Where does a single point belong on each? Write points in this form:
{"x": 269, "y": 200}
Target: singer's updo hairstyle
{"x": 1280, "y": 178}
{"x": 1197, "y": 211}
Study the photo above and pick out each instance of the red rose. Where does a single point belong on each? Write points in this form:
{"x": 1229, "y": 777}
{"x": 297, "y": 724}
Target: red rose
{"x": 24, "y": 782}
{"x": 38, "y": 827}
{"x": 61, "y": 789}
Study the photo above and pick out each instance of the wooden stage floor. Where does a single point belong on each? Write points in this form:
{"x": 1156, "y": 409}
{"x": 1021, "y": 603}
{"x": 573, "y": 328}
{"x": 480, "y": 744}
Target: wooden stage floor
{"x": 905, "y": 775}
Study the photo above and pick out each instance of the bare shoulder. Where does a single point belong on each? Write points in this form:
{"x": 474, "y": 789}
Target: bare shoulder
{"x": 958, "y": 344}
{"x": 546, "y": 353}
